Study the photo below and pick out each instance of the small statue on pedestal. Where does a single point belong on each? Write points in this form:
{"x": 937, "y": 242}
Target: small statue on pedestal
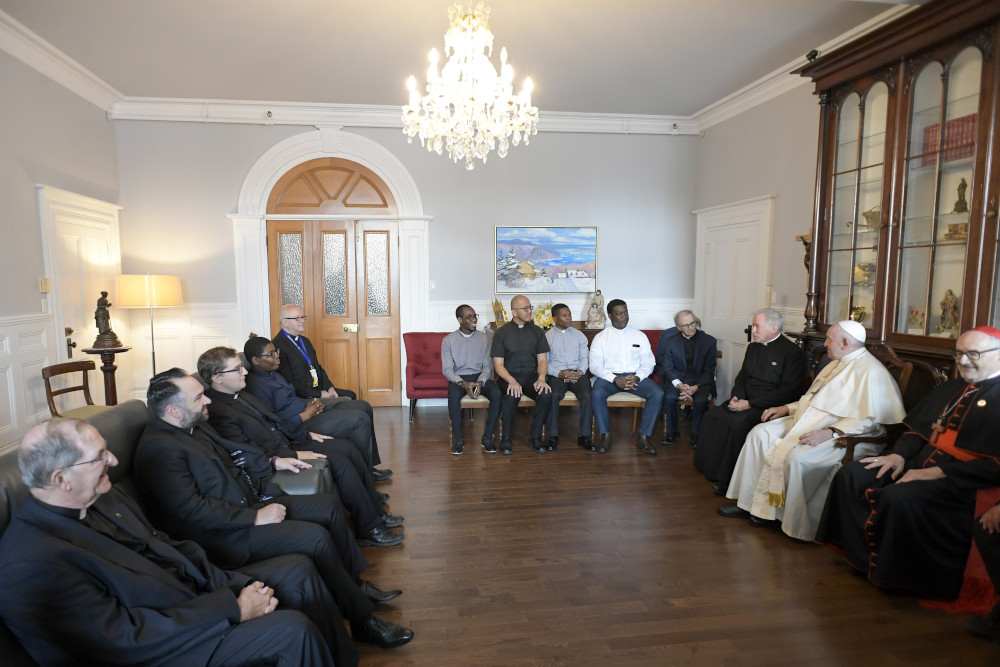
{"x": 949, "y": 311}
{"x": 102, "y": 317}
{"x": 595, "y": 313}
{"x": 961, "y": 206}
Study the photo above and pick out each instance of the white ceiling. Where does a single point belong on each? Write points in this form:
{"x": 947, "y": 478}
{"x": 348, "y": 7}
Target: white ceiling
{"x": 659, "y": 57}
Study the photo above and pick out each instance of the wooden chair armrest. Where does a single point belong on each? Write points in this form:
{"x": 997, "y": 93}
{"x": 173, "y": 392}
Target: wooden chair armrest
{"x": 849, "y": 442}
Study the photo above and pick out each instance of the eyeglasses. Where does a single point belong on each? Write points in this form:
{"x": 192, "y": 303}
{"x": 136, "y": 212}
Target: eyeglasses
{"x": 103, "y": 458}
{"x": 525, "y": 308}
{"x": 973, "y": 355}
{"x": 233, "y": 370}
{"x": 689, "y": 325}
{"x": 302, "y": 318}
{"x": 276, "y": 353}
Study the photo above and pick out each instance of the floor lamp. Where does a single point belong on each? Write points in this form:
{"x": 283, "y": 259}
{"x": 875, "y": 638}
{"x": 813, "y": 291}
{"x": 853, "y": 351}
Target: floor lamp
{"x": 148, "y": 291}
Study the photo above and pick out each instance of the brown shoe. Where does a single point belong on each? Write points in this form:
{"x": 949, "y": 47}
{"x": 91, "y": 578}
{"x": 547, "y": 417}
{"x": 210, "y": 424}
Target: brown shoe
{"x": 643, "y": 443}
{"x": 603, "y": 443}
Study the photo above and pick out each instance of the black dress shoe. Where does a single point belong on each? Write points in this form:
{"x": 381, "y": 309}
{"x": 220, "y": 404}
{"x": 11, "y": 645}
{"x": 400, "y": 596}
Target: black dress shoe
{"x": 586, "y": 443}
{"x": 376, "y": 594}
{"x": 383, "y": 497}
{"x": 380, "y": 537}
{"x": 537, "y": 445}
{"x": 381, "y": 475}
{"x": 694, "y": 442}
{"x": 391, "y": 520}
{"x": 733, "y": 512}
{"x": 383, "y": 633}
{"x": 670, "y": 438}
{"x": 720, "y": 489}
{"x": 603, "y": 443}
{"x": 757, "y": 522}
{"x": 643, "y": 443}
{"x": 553, "y": 443}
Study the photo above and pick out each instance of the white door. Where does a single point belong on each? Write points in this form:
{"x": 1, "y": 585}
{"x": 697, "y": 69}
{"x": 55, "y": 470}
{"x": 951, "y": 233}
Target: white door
{"x": 732, "y": 276}
{"x": 82, "y": 259}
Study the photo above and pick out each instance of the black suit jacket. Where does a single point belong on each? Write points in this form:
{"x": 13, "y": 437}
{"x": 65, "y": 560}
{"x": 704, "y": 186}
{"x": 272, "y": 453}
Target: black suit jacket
{"x": 237, "y": 421}
{"x": 671, "y": 362}
{"x": 772, "y": 374}
{"x": 295, "y": 368}
{"x": 193, "y": 492}
{"x": 74, "y": 596}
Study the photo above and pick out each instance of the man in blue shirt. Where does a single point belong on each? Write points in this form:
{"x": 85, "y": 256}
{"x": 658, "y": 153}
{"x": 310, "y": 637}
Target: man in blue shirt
{"x": 568, "y": 362}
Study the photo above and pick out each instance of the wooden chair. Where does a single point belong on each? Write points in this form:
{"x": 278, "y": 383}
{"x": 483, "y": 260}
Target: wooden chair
{"x": 83, "y": 412}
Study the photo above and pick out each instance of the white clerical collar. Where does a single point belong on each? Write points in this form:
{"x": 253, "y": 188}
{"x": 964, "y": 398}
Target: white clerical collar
{"x": 467, "y": 335}
{"x": 689, "y": 337}
{"x": 852, "y": 356}
{"x": 768, "y": 342}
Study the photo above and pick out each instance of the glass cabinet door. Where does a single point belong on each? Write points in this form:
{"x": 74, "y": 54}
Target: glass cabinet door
{"x": 856, "y": 206}
{"x": 937, "y": 197}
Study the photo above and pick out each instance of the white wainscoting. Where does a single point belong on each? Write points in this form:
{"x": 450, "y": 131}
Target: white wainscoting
{"x": 27, "y": 344}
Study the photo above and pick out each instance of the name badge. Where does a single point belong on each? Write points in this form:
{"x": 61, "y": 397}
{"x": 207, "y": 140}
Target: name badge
{"x": 315, "y": 376}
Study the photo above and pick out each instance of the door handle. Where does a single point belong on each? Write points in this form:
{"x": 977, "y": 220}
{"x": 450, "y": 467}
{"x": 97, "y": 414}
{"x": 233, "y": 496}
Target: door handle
{"x": 350, "y": 328}
{"x": 70, "y": 344}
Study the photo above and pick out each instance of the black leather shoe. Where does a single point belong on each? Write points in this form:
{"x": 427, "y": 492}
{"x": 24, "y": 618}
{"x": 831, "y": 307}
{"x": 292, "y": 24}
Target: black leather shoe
{"x": 757, "y": 522}
{"x": 643, "y": 443}
{"x": 720, "y": 489}
{"x": 381, "y": 475}
{"x": 537, "y": 445}
{"x": 603, "y": 443}
{"x": 392, "y": 521}
{"x": 506, "y": 447}
{"x": 587, "y": 443}
{"x": 380, "y": 537}
{"x": 489, "y": 446}
{"x": 553, "y": 443}
{"x": 733, "y": 512}
{"x": 383, "y": 497}
{"x": 383, "y": 633}
{"x": 376, "y": 594}
{"x": 694, "y": 442}
{"x": 670, "y": 438}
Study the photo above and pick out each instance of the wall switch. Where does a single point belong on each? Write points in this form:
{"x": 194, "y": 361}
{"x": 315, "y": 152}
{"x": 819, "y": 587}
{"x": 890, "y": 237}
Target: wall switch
{"x": 434, "y": 285}
{"x": 44, "y": 285}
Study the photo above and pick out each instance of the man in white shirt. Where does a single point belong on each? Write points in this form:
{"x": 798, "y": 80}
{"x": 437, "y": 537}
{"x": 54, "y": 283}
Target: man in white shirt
{"x": 568, "y": 363}
{"x": 621, "y": 360}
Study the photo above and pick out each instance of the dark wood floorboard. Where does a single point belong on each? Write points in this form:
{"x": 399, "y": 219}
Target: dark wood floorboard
{"x": 575, "y": 558}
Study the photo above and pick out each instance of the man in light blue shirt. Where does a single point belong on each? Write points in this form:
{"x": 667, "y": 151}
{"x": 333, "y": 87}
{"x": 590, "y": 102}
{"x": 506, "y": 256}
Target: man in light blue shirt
{"x": 568, "y": 363}
{"x": 466, "y": 362}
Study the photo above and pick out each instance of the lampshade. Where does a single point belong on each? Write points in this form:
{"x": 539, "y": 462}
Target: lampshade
{"x": 148, "y": 291}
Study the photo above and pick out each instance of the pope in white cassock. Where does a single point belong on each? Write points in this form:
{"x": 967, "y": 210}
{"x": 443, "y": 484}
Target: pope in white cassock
{"x": 788, "y": 463}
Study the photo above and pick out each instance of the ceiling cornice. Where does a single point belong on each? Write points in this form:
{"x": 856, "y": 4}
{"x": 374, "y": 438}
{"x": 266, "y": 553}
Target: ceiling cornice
{"x": 20, "y": 42}
{"x": 34, "y": 51}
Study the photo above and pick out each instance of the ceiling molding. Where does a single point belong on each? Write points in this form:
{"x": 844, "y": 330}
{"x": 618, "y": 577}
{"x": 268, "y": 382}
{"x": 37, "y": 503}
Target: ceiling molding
{"x": 34, "y": 51}
{"x": 780, "y": 81}
{"x": 20, "y": 42}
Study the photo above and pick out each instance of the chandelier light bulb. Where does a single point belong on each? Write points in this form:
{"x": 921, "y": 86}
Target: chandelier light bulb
{"x": 470, "y": 108}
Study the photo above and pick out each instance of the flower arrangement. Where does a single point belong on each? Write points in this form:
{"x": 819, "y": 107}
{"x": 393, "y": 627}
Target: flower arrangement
{"x": 543, "y": 316}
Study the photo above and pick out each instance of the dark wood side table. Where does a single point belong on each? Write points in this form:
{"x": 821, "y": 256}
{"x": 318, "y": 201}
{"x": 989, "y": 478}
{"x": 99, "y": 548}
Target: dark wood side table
{"x": 108, "y": 368}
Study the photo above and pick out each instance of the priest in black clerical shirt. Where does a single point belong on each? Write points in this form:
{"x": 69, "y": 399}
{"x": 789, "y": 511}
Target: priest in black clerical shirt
{"x": 773, "y": 373}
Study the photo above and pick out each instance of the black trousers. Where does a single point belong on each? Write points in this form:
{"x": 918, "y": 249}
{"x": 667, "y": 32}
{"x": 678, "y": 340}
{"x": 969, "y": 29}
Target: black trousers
{"x": 315, "y": 526}
{"x": 282, "y": 634}
{"x": 353, "y": 425}
{"x": 580, "y": 389}
{"x": 362, "y": 406}
{"x": 455, "y": 395}
{"x": 353, "y": 480}
{"x": 508, "y": 406}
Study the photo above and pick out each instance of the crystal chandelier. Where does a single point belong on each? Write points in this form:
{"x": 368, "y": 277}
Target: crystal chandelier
{"x": 468, "y": 107}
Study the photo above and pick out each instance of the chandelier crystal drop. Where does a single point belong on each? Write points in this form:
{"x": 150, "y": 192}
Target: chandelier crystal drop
{"x": 469, "y": 109}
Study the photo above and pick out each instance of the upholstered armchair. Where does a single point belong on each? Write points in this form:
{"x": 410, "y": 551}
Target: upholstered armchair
{"x": 423, "y": 366}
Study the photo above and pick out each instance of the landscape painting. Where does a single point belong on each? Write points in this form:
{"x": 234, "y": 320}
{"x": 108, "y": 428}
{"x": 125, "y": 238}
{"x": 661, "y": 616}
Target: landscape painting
{"x": 538, "y": 260}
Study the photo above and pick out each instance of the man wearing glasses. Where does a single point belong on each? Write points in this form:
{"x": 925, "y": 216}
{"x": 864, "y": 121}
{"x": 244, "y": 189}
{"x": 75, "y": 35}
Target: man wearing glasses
{"x": 686, "y": 366}
{"x": 906, "y": 516}
{"x": 519, "y": 356}
{"x": 466, "y": 362}
{"x": 300, "y": 366}
{"x": 87, "y": 579}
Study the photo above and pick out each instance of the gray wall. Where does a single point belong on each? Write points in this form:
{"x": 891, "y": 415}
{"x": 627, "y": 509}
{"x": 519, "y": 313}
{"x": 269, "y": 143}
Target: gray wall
{"x": 49, "y": 136}
{"x": 768, "y": 150}
{"x": 179, "y": 180}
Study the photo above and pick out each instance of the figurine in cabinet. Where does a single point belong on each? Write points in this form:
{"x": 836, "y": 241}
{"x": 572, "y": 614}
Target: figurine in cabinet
{"x": 961, "y": 206}
{"x": 949, "y": 311}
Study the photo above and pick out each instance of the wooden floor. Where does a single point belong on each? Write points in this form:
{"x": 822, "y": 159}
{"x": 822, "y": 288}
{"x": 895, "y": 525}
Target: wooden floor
{"x": 576, "y": 558}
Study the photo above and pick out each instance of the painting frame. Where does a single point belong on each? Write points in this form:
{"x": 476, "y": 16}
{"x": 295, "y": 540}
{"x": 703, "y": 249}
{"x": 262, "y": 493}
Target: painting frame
{"x": 545, "y": 259}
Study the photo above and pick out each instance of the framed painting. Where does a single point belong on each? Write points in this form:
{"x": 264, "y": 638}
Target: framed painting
{"x": 541, "y": 260}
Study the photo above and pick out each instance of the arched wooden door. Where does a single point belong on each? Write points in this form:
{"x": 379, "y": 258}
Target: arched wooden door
{"x": 344, "y": 273}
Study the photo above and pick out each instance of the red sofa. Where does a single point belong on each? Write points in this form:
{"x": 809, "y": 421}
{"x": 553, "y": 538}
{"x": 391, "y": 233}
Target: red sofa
{"x": 423, "y": 366}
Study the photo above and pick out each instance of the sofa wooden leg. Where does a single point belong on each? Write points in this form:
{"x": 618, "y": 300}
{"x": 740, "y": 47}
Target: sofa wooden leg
{"x": 413, "y": 405}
